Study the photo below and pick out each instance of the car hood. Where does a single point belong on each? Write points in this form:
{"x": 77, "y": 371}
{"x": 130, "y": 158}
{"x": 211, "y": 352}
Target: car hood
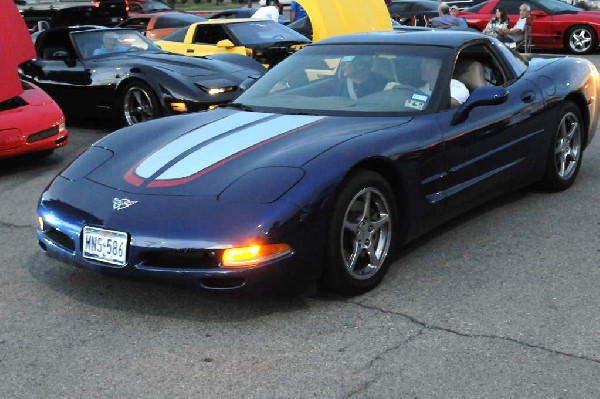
{"x": 16, "y": 47}
{"x": 175, "y": 63}
{"x": 339, "y": 17}
{"x": 202, "y": 154}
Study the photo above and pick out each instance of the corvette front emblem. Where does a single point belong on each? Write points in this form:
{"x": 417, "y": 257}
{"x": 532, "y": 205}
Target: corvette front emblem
{"x": 119, "y": 204}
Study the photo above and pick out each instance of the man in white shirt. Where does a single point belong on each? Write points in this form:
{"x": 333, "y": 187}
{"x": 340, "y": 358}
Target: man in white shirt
{"x": 269, "y": 11}
{"x": 515, "y": 34}
{"x": 430, "y": 69}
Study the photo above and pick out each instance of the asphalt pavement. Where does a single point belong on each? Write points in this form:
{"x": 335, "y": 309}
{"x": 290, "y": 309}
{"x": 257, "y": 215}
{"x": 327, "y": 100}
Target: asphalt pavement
{"x": 499, "y": 303}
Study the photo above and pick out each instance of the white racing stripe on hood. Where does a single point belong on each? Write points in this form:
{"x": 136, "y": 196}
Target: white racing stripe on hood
{"x": 169, "y": 152}
{"x": 229, "y": 145}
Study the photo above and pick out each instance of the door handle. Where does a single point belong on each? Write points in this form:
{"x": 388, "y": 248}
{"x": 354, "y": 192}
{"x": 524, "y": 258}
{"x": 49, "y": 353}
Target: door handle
{"x": 190, "y": 50}
{"x": 528, "y": 97}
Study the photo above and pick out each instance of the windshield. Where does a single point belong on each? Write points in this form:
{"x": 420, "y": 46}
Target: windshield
{"x": 97, "y": 43}
{"x": 557, "y": 6}
{"x": 155, "y": 6}
{"x": 347, "y": 79}
{"x": 260, "y": 32}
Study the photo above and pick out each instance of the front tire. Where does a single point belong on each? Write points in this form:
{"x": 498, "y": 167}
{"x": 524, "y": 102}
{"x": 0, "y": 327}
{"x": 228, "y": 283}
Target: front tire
{"x": 360, "y": 234}
{"x": 581, "y": 39}
{"x": 137, "y": 103}
{"x": 566, "y": 149}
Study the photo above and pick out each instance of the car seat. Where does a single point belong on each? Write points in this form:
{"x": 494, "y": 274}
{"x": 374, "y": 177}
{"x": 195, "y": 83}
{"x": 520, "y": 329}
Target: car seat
{"x": 470, "y": 72}
{"x": 386, "y": 68}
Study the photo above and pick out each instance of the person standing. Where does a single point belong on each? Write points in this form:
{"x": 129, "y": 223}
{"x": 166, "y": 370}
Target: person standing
{"x": 269, "y": 11}
{"x": 296, "y": 11}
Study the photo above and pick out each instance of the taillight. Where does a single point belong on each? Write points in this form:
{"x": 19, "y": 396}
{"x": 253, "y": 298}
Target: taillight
{"x": 96, "y": 4}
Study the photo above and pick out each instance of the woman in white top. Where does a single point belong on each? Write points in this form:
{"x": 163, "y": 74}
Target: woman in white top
{"x": 500, "y": 21}
{"x": 269, "y": 11}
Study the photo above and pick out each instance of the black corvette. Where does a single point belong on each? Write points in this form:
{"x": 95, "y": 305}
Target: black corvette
{"x": 118, "y": 73}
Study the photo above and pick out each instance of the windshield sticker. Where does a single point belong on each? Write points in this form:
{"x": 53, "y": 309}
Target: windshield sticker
{"x": 418, "y": 105}
{"x": 420, "y": 97}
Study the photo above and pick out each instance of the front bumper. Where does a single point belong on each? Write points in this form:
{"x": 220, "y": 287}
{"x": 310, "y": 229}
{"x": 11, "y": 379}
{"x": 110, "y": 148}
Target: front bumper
{"x": 274, "y": 275}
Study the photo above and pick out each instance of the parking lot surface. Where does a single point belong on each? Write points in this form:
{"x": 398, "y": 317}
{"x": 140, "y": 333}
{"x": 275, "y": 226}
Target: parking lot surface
{"x": 499, "y": 303}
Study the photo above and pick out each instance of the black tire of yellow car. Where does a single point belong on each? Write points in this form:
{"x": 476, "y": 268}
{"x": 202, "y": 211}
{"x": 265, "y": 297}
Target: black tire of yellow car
{"x": 148, "y": 105}
{"x": 583, "y": 36}
{"x": 345, "y": 229}
{"x": 564, "y": 151}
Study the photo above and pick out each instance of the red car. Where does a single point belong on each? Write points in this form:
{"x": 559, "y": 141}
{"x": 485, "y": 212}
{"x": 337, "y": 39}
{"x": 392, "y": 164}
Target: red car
{"x": 31, "y": 123}
{"x": 137, "y": 7}
{"x": 555, "y": 25}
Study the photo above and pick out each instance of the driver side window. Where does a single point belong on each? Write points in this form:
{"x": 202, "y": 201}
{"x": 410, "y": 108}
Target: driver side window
{"x": 476, "y": 67}
{"x": 209, "y": 34}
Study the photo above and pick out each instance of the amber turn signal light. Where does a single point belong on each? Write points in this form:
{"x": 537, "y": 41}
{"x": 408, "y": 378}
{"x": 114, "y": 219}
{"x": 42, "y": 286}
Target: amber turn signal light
{"x": 253, "y": 255}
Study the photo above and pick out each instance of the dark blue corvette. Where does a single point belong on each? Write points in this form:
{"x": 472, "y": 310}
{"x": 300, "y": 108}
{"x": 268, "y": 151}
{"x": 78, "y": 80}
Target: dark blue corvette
{"x": 318, "y": 171}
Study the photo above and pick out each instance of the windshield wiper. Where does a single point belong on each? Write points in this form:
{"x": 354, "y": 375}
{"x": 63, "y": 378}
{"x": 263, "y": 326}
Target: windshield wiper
{"x": 241, "y": 106}
{"x": 287, "y": 112}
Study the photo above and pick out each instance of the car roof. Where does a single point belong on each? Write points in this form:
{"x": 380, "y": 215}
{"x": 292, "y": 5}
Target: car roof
{"x": 156, "y": 14}
{"x": 80, "y": 28}
{"x": 416, "y": 1}
{"x": 446, "y": 38}
{"x": 233, "y": 20}
{"x": 249, "y": 9}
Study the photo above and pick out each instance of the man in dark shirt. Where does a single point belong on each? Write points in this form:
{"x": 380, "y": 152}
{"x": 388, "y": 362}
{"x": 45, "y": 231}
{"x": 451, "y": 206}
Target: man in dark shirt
{"x": 359, "y": 80}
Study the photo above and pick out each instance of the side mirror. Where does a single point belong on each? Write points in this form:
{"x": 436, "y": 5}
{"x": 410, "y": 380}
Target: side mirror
{"x": 60, "y": 55}
{"x": 486, "y": 95}
{"x": 537, "y": 13}
{"x": 245, "y": 85}
{"x": 225, "y": 44}
{"x": 63, "y": 55}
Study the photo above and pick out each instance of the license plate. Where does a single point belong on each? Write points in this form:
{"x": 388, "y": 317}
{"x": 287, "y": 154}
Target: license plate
{"x": 114, "y": 19}
{"x": 109, "y": 246}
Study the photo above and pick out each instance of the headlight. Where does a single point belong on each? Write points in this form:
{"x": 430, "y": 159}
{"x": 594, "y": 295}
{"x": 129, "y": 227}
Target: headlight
{"x": 179, "y": 107}
{"x": 254, "y": 255}
{"x": 214, "y": 89}
{"x": 62, "y": 127}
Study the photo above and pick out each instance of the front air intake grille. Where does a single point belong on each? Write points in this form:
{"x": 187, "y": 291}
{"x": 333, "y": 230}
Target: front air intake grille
{"x": 181, "y": 259}
{"x": 44, "y": 134}
{"x": 60, "y": 239}
{"x": 12, "y": 103}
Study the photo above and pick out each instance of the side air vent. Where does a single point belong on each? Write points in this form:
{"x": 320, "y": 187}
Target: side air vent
{"x": 60, "y": 239}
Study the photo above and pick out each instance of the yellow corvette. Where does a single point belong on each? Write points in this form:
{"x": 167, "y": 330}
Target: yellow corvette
{"x": 264, "y": 40}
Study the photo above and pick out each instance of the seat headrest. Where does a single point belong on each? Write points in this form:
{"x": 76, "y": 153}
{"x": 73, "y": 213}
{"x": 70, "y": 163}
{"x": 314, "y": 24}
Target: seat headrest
{"x": 470, "y": 72}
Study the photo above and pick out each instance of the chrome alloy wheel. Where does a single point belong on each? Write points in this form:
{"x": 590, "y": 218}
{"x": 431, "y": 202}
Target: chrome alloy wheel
{"x": 568, "y": 146}
{"x": 580, "y": 40}
{"x": 366, "y": 233}
{"x": 137, "y": 105}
